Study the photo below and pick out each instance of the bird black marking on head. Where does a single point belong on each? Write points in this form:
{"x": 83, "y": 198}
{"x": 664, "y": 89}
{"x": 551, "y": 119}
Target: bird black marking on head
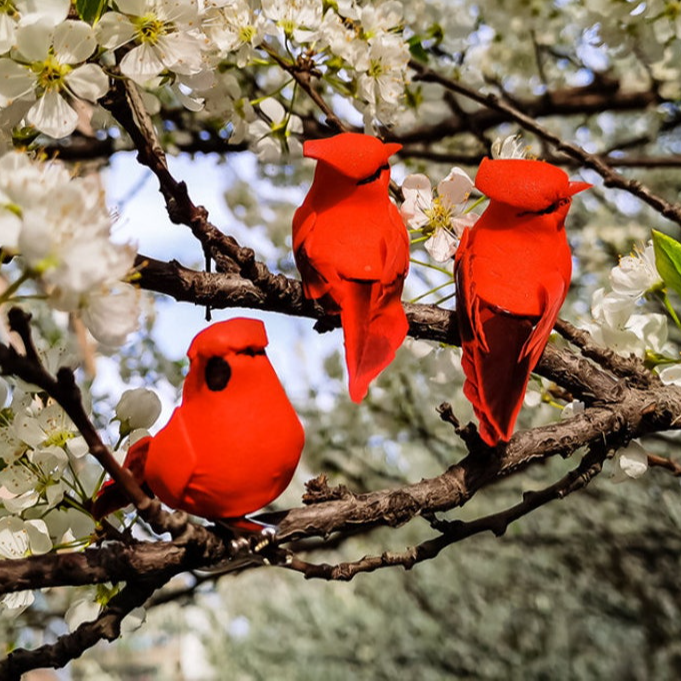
{"x": 373, "y": 176}
{"x": 217, "y": 373}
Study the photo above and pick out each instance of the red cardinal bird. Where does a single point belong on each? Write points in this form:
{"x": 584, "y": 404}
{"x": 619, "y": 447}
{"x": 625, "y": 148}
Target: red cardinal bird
{"x": 352, "y": 250}
{"x": 512, "y": 272}
{"x": 234, "y": 442}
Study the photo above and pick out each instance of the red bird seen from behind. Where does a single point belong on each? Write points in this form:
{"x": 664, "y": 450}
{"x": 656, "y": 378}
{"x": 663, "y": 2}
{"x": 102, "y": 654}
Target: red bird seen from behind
{"x": 352, "y": 250}
{"x": 512, "y": 272}
{"x": 232, "y": 445}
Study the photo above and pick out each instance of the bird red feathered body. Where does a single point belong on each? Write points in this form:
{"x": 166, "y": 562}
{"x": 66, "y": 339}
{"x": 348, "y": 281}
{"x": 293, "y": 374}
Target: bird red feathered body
{"x": 352, "y": 250}
{"x": 233, "y": 444}
{"x": 512, "y": 272}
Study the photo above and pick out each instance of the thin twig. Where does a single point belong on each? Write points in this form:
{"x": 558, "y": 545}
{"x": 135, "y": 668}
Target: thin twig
{"x": 610, "y": 176}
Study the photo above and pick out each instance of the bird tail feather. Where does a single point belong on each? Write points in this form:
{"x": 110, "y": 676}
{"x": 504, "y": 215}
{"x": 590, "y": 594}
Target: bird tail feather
{"x": 110, "y": 497}
{"x": 374, "y": 326}
{"x": 497, "y": 376}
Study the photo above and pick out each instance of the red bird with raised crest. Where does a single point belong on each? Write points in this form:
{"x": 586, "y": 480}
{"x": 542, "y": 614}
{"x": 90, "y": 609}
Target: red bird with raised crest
{"x": 512, "y": 272}
{"x": 352, "y": 250}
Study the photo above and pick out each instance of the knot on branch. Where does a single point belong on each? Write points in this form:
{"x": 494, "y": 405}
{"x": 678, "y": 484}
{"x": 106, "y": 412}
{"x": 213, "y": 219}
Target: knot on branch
{"x": 318, "y": 491}
{"x": 401, "y": 507}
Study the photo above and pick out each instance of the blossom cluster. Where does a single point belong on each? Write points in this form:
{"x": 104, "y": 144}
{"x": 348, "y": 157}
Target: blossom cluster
{"x": 620, "y": 321}
{"x": 60, "y": 227}
{"x": 47, "y": 478}
{"x": 54, "y": 69}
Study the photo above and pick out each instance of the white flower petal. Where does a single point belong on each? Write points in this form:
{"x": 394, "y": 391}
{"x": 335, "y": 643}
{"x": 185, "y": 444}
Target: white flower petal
{"x": 633, "y": 460}
{"x": 141, "y": 64}
{"x": 15, "y": 80}
{"x": 52, "y": 115}
{"x": 273, "y": 109}
{"x": 455, "y": 188}
{"x": 88, "y": 82}
{"x": 671, "y": 375}
{"x": 113, "y": 314}
{"x": 10, "y": 228}
{"x": 38, "y": 536}
{"x": 113, "y": 30}
{"x": 134, "y": 7}
{"x": 418, "y": 186}
{"x": 8, "y": 29}
{"x": 74, "y": 42}
{"x": 34, "y": 41}
{"x": 80, "y": 611}
{"x": 441, "y": 246}
{"x": 52, "y": 11}
{"x": 15, "y": 603}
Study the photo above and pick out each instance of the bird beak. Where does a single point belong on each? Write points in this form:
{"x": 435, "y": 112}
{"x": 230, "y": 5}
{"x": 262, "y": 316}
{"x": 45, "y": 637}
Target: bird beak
{"x": 576, "y": 187}
{"x": 391, "y": 148}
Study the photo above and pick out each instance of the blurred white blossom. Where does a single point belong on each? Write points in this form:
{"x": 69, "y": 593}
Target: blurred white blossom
{"x": 18, "y": 539}
{"x": 509, "y": 147}
{"x": 273, "y": 138}
{"x": 61, "y": 227}
{"x": 630, "y": 462}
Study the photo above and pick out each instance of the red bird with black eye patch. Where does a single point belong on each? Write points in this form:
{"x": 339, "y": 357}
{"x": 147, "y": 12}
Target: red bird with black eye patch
{"x": 233, "y": 444}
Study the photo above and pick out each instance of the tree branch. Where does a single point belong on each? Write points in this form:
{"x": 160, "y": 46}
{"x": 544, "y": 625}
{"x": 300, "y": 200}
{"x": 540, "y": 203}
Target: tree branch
{"x": 610, "y": 176}
{"x": 452, "y": 532}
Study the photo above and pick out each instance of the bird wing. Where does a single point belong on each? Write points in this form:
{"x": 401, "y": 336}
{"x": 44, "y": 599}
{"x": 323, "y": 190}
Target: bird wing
{"x": 110, "y": 497}
{"x": 553, "y": 292}
{"x": 500, "y": 350}
{"x": 492, "y": 342}
{"x": 171, "y": 461}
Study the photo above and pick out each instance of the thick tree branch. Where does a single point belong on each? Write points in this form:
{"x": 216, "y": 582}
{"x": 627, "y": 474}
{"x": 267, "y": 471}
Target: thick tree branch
{"x": 70, "y": 646}
{"x": 452, "y": 532}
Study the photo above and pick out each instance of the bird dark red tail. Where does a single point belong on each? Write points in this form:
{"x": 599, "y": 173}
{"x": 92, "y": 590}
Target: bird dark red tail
{"x": 374, "y": 326}
{"x": 495, "y": 379}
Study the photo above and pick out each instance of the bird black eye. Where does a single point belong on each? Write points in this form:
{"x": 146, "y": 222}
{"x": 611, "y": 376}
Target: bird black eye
{"x": 552, "y": 208}
{"x": 218, "y": 372}
{"x": 374, "y": 176}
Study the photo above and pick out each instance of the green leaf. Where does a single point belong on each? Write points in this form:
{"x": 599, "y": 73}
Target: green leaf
{"x": 417, "y": 50}
{"x": 90, "y": 10}
{"x": 668, "y": 260}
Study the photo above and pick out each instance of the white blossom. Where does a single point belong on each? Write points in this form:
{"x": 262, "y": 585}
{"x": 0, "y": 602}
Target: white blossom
{"x": 297, "y": 19}
{"x": 165, "y": 33}
{"x": 47, "y": 67}
{"x": 18, "y": 539}
{"x": 636, "y": 274}
{"x": 441, "y": 215}
{"x": 278, "y": 136}
{"x": 234, "y": 27}
{"x": 630, "y": 462}
{"x": 61, "y": 227}
{"x": 138, "y": 408}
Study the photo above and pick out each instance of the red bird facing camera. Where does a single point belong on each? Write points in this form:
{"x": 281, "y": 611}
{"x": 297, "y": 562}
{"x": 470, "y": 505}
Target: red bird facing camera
{"x": 233, "y": 444}
{"x": 352, "y": 250}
